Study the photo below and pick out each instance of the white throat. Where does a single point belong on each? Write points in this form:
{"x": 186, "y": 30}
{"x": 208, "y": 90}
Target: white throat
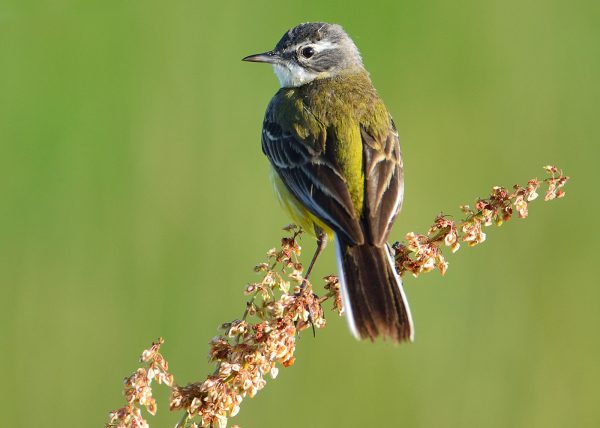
{"x": 292, "y": 75}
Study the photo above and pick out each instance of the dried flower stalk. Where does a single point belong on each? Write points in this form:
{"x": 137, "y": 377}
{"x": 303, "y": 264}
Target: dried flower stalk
{"x": 423, "y": 253}
{"x": 138, "y": 389}
{"x": 283, "y": 303}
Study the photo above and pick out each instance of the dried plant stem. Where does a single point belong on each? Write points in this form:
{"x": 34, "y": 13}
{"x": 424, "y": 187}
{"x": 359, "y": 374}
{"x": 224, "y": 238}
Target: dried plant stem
{"x": 423, "y": 252}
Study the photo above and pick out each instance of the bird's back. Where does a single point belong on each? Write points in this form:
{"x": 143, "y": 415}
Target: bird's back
{"x": 343, "y": 122}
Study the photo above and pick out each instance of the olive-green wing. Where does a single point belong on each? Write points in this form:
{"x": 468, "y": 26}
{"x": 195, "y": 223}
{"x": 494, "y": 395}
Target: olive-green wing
{"x": 384, "y": 183}
{"x": 312, "y": 174}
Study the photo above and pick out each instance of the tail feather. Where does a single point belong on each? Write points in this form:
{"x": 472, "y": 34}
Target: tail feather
{"x": 373, "y": 298}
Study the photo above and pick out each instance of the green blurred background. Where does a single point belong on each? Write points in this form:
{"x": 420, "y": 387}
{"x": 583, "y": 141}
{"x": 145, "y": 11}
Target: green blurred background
{"x": 135, "y": 201}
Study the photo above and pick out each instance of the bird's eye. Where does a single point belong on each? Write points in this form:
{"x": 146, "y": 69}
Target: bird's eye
{"x": 307, "y": 52}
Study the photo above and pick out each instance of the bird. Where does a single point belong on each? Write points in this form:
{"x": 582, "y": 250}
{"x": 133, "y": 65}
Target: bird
{"x": 337, "y": 168}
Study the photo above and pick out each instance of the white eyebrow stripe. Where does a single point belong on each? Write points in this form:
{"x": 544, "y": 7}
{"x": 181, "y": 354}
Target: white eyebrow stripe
{"x": 323, "y": 45}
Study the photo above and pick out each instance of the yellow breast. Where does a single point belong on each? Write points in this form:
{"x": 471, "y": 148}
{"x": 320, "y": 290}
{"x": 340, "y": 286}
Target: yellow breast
{"x": 299, "y": 214}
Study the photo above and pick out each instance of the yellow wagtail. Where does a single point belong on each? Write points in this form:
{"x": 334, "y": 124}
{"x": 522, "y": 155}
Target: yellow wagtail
{"x": 337, "y": 168}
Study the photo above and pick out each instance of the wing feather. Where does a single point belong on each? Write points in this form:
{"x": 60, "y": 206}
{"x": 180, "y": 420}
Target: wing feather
{"x": 384, "y": 183}
{"x": 312, "y": 176}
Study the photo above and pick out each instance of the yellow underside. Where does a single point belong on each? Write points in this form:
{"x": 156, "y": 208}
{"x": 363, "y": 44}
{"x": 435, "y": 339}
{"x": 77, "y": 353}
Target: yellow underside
{"x": 300, "y": 215}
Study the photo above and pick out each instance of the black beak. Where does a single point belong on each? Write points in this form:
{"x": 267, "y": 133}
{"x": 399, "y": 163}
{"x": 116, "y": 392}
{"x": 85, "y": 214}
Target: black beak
{"x": 270, "y": 57}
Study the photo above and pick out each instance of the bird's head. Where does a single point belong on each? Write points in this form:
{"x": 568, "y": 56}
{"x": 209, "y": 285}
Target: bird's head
{"x": 310, "y": 51}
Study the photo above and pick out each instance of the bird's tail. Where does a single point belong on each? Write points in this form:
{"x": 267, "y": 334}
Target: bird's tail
{"x": 373, "y": 298}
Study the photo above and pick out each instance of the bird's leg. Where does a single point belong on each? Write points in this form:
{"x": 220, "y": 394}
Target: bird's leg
{"x": 321, "y": 244}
